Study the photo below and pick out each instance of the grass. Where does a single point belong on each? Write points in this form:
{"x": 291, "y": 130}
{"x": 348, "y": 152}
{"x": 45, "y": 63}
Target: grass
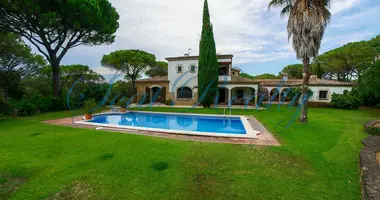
{"x": 318, "y": 160}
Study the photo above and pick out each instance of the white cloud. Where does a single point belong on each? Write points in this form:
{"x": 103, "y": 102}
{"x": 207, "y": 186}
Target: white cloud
{"x": 244, "y": 28}
{"x": 340, "y": 5}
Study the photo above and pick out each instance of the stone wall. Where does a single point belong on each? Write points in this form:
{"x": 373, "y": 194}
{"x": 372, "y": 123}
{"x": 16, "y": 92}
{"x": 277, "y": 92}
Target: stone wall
{"x": 188, "y": 102}
{"x": 370, "y": 168}
{"x": 141, "y": 88}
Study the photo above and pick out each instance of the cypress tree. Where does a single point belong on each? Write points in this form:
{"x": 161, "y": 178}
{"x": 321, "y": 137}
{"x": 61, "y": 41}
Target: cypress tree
{"x": 208, "y": 63}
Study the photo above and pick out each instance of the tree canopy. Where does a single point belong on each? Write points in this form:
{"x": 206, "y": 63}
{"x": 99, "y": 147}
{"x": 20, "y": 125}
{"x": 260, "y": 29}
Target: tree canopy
{"x": 54, "y": 27}
{"x": 208, "y": 62}
{"x": 16, "y": 61}
{"x": 159, "y": 69}
{"x": 369, "y": 85}
{"x": 349, "y": 61}
{"x": 130, "y": 62}
{"x": 293, "y": 71}
{"x": 72, "y": 73}
{"x": 260, "y": 76}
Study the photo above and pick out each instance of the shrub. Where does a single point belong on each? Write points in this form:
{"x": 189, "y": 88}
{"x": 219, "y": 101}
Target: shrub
{"x": 42, "y": 103}
{"x": 27, "y": 109}
{"x": 297, "y": 91}
{"x": 169, "y": 102}
{"x": 58, "y": 104}
{"x": 89, "y": 106}
{"x": 369, "y": 85}
{"x": 345, "y": 101}
{"x": 371, "y": 128}
{"x": 5, "y": 108}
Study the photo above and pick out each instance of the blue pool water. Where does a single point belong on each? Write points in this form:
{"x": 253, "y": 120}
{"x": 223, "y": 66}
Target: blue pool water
{"x": 200, "y": 123}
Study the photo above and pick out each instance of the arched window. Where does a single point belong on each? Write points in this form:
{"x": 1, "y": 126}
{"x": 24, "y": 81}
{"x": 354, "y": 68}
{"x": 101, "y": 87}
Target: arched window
{"x": 184, "y": 92}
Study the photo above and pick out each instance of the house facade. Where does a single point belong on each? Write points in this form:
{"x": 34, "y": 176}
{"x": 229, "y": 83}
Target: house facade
{"x": 181, "y": 85}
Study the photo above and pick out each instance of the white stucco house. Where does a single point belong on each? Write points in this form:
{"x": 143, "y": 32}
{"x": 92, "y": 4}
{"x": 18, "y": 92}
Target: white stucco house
{"x": 181, "y": 85}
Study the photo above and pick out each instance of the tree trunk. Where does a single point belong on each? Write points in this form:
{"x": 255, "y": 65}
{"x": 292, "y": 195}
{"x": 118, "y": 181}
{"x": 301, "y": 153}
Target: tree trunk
{"x": 133, "y": 80}
{"x": 56, "y": 78}
{"x": 305, "y": 86}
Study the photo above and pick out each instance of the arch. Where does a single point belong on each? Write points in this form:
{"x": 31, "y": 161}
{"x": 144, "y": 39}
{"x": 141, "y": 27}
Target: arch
{"x": 156, "y": 93}
{"x": 184, "y": 93}
{"x": 274, "y": 95}
{"x": 153, "y": 86}
{"x": 285, "y": 95}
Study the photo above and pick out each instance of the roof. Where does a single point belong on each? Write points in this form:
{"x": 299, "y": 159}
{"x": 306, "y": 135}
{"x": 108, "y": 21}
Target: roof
{"x": 224, "y": 56}
{"x": 264, "y": 82}
{"x": 154, "y": 79}
{"x": 240, "y": 80}
{"x": 235, "y": 69}
{"x": 298, "y": 82}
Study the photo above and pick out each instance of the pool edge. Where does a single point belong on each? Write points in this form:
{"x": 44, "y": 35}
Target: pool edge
{"x": 250, "y": 132}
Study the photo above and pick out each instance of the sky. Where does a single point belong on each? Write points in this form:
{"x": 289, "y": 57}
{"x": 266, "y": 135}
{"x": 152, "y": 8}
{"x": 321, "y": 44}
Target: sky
{"x": 255, "y": 35}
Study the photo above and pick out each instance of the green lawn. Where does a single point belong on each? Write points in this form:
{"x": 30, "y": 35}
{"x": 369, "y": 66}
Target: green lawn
{"x": 317, "y": 161}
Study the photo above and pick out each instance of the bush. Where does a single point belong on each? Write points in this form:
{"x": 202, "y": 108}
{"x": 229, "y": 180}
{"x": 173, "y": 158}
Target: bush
{"x": 371, "y": 128}
{"x": 369, "y": 85}
{"x": 5, "y": 108}
{"x": 27, "y": 109}
{"x": 42, "y": 103}
{"x": 169, "y": 102}
{"x": 345, "y": 101}
{"x": 297, "y": 91}
{"x": 89, "y": 106}
{"x": 58, "y": 104}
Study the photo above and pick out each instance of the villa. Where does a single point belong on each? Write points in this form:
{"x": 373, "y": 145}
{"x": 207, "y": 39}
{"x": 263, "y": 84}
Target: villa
{"x": 181, "y": 85}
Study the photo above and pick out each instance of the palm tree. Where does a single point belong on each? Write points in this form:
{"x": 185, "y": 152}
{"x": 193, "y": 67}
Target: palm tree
{"x": 306, "y": 25}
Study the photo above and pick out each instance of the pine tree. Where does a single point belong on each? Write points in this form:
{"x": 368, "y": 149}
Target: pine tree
{"x": 208, "y": 63}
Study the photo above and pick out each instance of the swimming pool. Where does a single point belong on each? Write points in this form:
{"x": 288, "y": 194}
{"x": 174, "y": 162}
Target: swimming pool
{"x": 196, "y": 124}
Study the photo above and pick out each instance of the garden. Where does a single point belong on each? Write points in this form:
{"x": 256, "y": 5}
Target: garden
{"x": 41, "y": 161}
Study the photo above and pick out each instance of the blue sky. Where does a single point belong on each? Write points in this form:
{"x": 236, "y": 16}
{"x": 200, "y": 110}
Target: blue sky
{"x": 245, "y": 28}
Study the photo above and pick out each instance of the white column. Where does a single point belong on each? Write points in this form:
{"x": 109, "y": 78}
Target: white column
{"x": 229, "y": 97}
{"x": 229, "y": 69}
{"x": 256, "y": 97}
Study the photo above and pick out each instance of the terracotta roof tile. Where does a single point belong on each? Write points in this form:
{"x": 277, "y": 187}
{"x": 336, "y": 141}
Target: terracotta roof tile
{"x": 154, "y": 79}
{"x": 297, "y": 82}
{"x": 240, "y": 80}
{"x": 264, "y": 82}
{"x": 225, "y": 56}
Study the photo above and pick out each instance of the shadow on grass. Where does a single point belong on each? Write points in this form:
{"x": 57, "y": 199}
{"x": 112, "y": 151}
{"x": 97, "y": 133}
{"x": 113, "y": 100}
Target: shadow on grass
{"x": 160, "y": 166}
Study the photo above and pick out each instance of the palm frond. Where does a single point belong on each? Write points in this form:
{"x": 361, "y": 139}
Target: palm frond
{"x": 286, "y": 10}
{"x": 278, "y": 3}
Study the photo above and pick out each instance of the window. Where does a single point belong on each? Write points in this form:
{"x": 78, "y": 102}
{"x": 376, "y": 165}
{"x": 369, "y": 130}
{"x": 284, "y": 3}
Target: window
{"x": 179, "y": 68}
{"x": 233, "y": 73}
{"x": 322, "y": 94}
{"x": 185, "y": 93}
{"x": 192, "y": 68}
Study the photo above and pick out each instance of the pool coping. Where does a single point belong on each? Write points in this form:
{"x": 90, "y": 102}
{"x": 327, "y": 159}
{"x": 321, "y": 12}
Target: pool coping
{"x": 250, "y": 132}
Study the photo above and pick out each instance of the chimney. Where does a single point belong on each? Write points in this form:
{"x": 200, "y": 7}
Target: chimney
{"x": 285, "y": 77}
{"x": 313, "y": 77}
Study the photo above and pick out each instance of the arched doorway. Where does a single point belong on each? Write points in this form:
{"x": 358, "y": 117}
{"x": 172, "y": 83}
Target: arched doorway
{"x": 157, "y": 94}
{"x": 274, "y": 95}
{"x": 184, "y": 93}
{"x": 285, "y": 95}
